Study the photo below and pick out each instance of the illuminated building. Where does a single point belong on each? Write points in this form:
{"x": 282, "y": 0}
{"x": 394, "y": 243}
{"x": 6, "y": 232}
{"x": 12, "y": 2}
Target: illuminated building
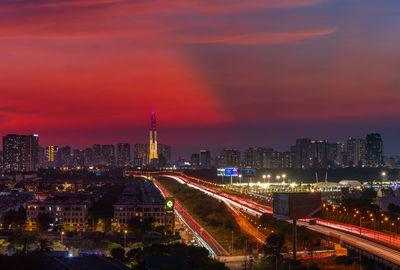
{"x": 230, "y": 158}
{"x": 97, "y": 154}
{"x": 140, "y": 154}
{"x": 355, "y": 152}
{"x": 164, "y": 154}
{"x": 108, "y": 155}
{"x": 123, "y": 154}
{"x": 20, "y": 152}
{"x": 254, "y": 157}
{"x": 374, "y": 150}
{"x": 69, "y": 214}
{"x": 205, "y": 159}
{"x": 51, "y": 152}
{"x": 142, "y": 200}
{"x": 195, "y": 161}
{"x": 153, "y": 154}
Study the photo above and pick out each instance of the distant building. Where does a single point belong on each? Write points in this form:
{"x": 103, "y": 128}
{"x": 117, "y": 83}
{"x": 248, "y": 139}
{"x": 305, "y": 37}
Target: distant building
{"x": 123, "y": 154}
{"x": 374, "y": 150}
{"x": 205, "y": 159}
{"x": 355, "y": 152}
{"x": 140, "y": 154}
{"x": 142, "y": 200}
{"x": 97, "y": 154}
{"x": 319, "y": 153}
{"x": 68, "y": 214}
{"x": 255, "y": 157}
{"x": 164, "y": 155}
{"x": 65, "y": 157}
{"x": 195, "y": 161}
{"x": 302, "y": 153}
{"x": 88, "y": 157}
{"x": 20, "y": 152}
{"x": 153, "y": 153}
{"x": 230, "y": 158}
{"x": 108, "y": 155}
{"x": 78, "y": 158}
{"x": 51, "y": 155}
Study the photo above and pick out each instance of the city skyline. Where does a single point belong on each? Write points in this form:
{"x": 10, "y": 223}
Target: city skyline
{"x": 93, "y": 72}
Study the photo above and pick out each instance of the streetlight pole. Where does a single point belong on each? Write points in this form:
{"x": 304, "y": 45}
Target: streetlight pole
{"x": 125, "y": 232}
{"x": 62, "y": 237}
{"x": 240, "y": 179}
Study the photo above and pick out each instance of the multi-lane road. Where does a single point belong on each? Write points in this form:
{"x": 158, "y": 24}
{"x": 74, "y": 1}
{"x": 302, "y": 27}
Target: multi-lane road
{"x": 361, "y": 238}
{"x": 201, "y": 235}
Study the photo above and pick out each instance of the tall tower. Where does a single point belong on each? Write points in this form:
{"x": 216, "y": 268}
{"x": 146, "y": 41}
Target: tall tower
{"x": 153, "y": 138}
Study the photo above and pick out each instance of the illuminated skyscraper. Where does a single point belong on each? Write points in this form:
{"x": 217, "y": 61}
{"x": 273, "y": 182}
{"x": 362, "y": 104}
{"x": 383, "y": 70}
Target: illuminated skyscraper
{"x": 20, "y": 152}
{"x": 153, "y": 155}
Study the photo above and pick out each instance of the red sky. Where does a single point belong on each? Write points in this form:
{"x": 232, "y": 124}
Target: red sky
{"x": 219, "y": 72}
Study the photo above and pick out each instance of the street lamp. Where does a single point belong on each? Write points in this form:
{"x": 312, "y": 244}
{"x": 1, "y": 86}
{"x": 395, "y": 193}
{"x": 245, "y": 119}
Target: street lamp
{"x": 383, "y": 176}
{"x": 62, "y": 236}
{"x": 264, "y": 177}
{"x": 125, "y": 232}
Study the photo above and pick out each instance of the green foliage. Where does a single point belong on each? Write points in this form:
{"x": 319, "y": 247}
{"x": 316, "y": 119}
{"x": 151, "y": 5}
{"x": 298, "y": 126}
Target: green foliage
{"x": 394, "y": 209}
{"x": 33, "y": 261}
{"x": 44, "y": 221}
{"x": 209, "y": 211}
{"x": 22, "y": 240}
{"x": 92, "y": 244}
{"x": 197, "y": 256}
{"x": 103, "y": 209}
{"x": 118, "y": 254}
{"x": 15, "y": 218}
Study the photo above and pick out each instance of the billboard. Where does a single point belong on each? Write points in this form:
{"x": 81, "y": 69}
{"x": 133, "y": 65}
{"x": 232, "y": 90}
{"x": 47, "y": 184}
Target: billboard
{"x": 227, "y": 172}
{"x": 169, "y": 204}
{"x": 297, "y": 205}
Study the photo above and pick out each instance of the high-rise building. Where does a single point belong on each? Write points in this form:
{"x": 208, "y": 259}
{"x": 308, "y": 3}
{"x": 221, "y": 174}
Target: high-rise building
{"x": 302, "y": 153}
{"x": 374, "y": 150}
{"x": 108, "y": 154}
{"x": 254, "y": 157}
{"x": 153, "y": 153}
{"x": 65, "y": 157}
{"x": 140, "y": 154}
{"x": 164, "y": 155}
{"x": 123, "y": 154}
{"x": 20, "y": 152}
{"x": 195, "y": 161}
{"x": 41, "y": 153}
{"x": 97, "y": 154}
{"x": 205, "y": 159}
{"x": 78, "y": 158}
{"x": 88, "y": 157}
{"x": 230, "y": 158}
{"x": 355, "y": 152}
{"x": 51, "y": 154}
{"x": 319, "y": 153}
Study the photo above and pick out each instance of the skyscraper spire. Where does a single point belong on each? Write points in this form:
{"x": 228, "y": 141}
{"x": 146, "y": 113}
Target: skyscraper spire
{"x": 153, "y": 138}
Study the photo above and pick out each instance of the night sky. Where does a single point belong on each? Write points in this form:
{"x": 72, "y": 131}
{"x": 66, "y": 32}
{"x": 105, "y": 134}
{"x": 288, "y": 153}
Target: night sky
{"x": 219, "y": 73}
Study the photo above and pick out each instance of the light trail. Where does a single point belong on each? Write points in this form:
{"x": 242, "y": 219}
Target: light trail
{"x": 203, "y": 237}
{"x": 353, "y": 234}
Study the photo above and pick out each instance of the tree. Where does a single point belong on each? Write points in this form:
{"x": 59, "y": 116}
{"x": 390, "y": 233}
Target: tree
{"x": 15, "y": 218}
{"x": 44, "y": 221}
{"x": 275, "y": 245}
{"x": 21, "y": 238}
{"x": 118, "y": 254}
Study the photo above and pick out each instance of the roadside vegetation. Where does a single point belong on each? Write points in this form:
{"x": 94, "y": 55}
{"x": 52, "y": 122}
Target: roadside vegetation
{"x": 210, "y": 213}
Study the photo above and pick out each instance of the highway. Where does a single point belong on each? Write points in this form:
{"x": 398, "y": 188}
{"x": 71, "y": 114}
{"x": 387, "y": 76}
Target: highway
{"x": 346, "y": 233}
{"x": 201, "y": 235}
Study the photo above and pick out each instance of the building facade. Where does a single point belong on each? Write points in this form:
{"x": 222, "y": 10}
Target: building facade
{"x": 20, "y": 152}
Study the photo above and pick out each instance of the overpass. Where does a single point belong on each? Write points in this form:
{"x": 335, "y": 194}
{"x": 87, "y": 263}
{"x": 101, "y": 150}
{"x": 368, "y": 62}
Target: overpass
{"x": 373, "y": 244}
